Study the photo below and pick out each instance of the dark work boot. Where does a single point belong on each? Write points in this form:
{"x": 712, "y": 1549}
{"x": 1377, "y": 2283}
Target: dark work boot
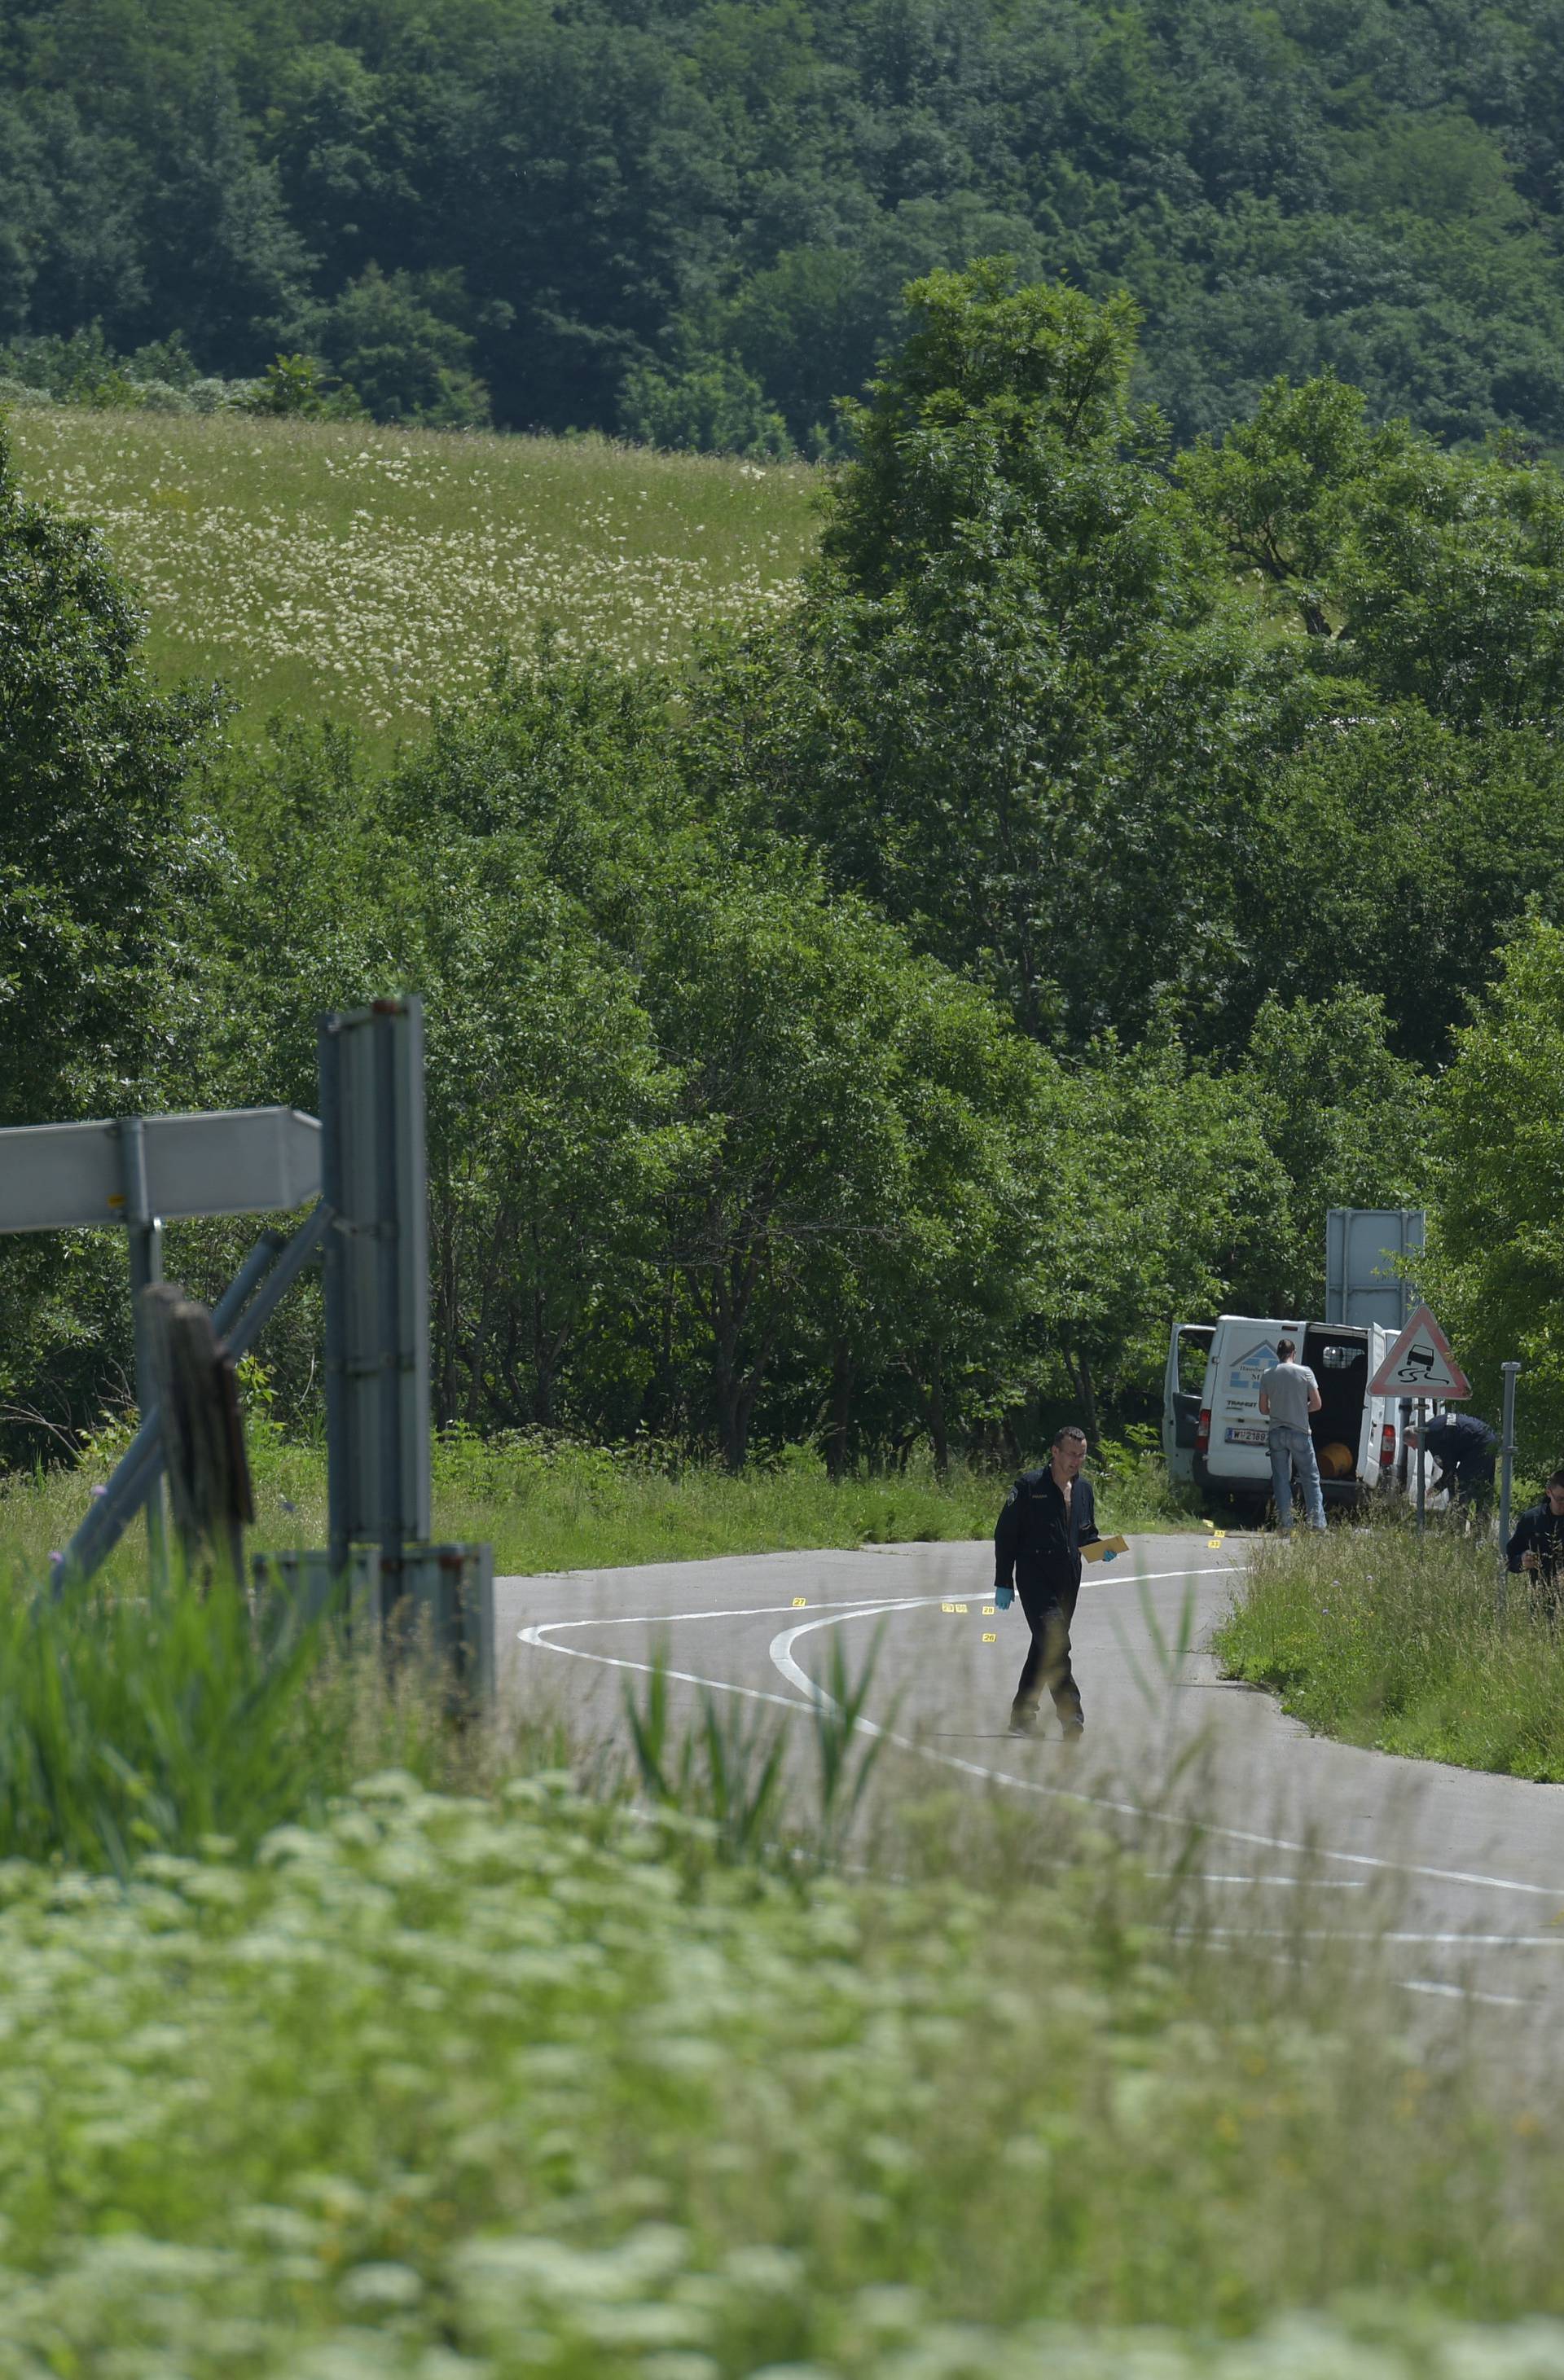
{"x": 1072, "y": 1718}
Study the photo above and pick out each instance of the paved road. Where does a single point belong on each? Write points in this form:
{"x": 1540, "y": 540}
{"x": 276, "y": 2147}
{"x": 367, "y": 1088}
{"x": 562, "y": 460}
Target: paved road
{"x": 1463, "y": 1873}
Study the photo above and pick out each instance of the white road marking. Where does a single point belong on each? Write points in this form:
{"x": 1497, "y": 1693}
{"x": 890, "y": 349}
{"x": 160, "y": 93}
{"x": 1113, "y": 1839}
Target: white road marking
{"x": 811, "y": 1697}
{"x": 1311, "y": 1883}
{"x": 1433, "y": 1941}
{"x": 781, "y": 1656}
{"x": 1460, "y": 1992}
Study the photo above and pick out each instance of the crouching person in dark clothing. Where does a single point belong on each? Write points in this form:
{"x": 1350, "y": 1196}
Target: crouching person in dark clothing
{"x": 1465, "y": 1450}
{"x": 1536, "y": 1548}
{"x": 1047, "y": 1517}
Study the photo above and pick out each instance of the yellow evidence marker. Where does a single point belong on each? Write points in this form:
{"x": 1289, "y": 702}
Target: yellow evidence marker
{"x": 801, "y": 1603}
{"x": 991, "y": 1637}
{"x": 1214, "y": 1541}
{"x": 989, "y": 1612}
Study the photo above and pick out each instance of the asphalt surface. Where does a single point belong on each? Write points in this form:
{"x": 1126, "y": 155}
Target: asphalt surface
{"x": 1457, "y": 1877}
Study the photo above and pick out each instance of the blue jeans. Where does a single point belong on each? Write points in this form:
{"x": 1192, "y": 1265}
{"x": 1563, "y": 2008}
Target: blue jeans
{"x": 1288, "y": 1448}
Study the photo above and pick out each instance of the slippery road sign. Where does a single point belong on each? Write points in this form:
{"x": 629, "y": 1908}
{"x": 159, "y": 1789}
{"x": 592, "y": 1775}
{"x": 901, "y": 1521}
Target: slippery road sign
{"x": 1419, "y": 1364}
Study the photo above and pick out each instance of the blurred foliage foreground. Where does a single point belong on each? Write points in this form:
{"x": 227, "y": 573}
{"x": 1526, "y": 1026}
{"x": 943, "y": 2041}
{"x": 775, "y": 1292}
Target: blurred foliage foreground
{"x": 478, "y": 2066}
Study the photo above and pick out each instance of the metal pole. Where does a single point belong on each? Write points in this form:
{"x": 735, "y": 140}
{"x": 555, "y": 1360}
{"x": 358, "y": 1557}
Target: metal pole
{"x": 1506, "y": 1469}
{"x": 1422, "y": 1474}
{"x": 144, "y": 1232}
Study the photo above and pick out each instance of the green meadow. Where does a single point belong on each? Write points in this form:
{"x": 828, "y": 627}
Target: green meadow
{"x": 363, "y": 574}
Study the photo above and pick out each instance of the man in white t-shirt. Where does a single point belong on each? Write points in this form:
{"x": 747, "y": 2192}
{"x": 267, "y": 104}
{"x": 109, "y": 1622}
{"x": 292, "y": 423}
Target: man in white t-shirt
{"x": 1289, "y": 1394}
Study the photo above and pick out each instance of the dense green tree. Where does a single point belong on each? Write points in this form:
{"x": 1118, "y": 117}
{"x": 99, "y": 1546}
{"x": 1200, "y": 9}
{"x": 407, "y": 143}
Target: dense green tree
{"x": 1160, "y": 1189}
{"x": 94, "y": 861}
{"x": 1496, "y": 1220}
{"x": 1017, "y": 657}
{"x": 394, "y": 341}
{"x": 1345, "y": 1121}
{"x": 98, "y": 873}
{"x": 224, "y": 265}
{"x": 689, "y": 184}
{"x": 1432, "y": 578}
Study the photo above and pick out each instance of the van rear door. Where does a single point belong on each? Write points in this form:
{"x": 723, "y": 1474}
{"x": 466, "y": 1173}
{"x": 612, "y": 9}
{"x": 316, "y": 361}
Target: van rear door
{"x": 1238, "y": 1458}
{"x": 1184, "y": 1384}
{"x": 1337, "y": 1355}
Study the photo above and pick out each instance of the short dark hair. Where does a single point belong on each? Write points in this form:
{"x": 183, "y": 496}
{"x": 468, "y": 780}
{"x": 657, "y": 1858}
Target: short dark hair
{"x": 1285, "y": 1350}
{"x": 1070, "y": 1429}
{"x": 1555, "y": 1478}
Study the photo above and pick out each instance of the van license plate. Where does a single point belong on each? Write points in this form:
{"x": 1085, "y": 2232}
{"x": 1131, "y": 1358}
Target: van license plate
{"x": 1240, "y": 1436}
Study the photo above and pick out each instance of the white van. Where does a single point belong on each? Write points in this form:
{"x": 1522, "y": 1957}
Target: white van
{"x": 1358, "y": 1437}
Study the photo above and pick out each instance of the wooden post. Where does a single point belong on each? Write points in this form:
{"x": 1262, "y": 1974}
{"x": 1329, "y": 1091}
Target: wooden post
{"x": 208, "y": 1484}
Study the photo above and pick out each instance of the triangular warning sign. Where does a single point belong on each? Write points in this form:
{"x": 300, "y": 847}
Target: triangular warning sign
{"x": 1419, "y": 1364}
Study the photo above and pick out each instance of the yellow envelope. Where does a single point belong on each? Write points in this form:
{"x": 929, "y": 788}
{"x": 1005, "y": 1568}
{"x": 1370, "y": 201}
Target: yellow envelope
{"x": 1105, "y": 1545}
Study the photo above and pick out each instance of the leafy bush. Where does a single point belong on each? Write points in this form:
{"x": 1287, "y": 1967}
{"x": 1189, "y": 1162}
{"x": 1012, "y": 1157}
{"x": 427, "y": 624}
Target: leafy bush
{"x": 712, "y": 404}
{"x": 299, "y": 387}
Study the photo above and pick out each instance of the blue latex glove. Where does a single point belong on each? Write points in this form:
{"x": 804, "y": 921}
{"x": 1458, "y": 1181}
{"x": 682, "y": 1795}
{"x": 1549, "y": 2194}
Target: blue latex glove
{"x": 1108, "y": 1558}
{"x": 1003, "y": 1597}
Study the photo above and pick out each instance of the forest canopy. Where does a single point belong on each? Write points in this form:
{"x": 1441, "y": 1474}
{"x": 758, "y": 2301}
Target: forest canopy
{"x": 692, "y": 221}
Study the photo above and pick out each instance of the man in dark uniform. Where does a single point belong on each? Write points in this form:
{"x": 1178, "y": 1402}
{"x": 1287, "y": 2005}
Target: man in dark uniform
{"x": 1464, "y": 1449}
{"x": 1537, "y": 1546}
{"x": 1047, "y": 1517}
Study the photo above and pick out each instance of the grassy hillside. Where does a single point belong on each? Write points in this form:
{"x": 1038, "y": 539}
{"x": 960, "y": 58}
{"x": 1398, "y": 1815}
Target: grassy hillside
{"x": 361, "y": 572}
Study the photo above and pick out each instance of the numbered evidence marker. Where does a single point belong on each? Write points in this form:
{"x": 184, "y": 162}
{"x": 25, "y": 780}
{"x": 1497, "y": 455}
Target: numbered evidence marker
{"x": 1215, "y": 1540}
{"x": 801, "y": 1603}
{"x": 990, "y": 1611}
{"x": 992, "y": 1636}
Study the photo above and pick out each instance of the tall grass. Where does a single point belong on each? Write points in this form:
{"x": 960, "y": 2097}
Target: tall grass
{"x": 1417, "y": 1645}
{"x": 551, "y": 1503}
{"x": 160, "y": 1722}
{"x": 364, "y": 572}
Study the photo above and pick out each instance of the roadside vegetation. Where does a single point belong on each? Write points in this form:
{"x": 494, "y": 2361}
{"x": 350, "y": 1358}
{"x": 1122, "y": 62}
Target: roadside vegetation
{"x": 339, "y": 2043}
{"x": 1412, "y": 1646}
{"x": 548, "y": 1502}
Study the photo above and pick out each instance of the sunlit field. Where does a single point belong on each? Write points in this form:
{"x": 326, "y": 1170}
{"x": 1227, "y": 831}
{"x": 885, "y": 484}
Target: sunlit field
{"x": 365, "y": 572}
